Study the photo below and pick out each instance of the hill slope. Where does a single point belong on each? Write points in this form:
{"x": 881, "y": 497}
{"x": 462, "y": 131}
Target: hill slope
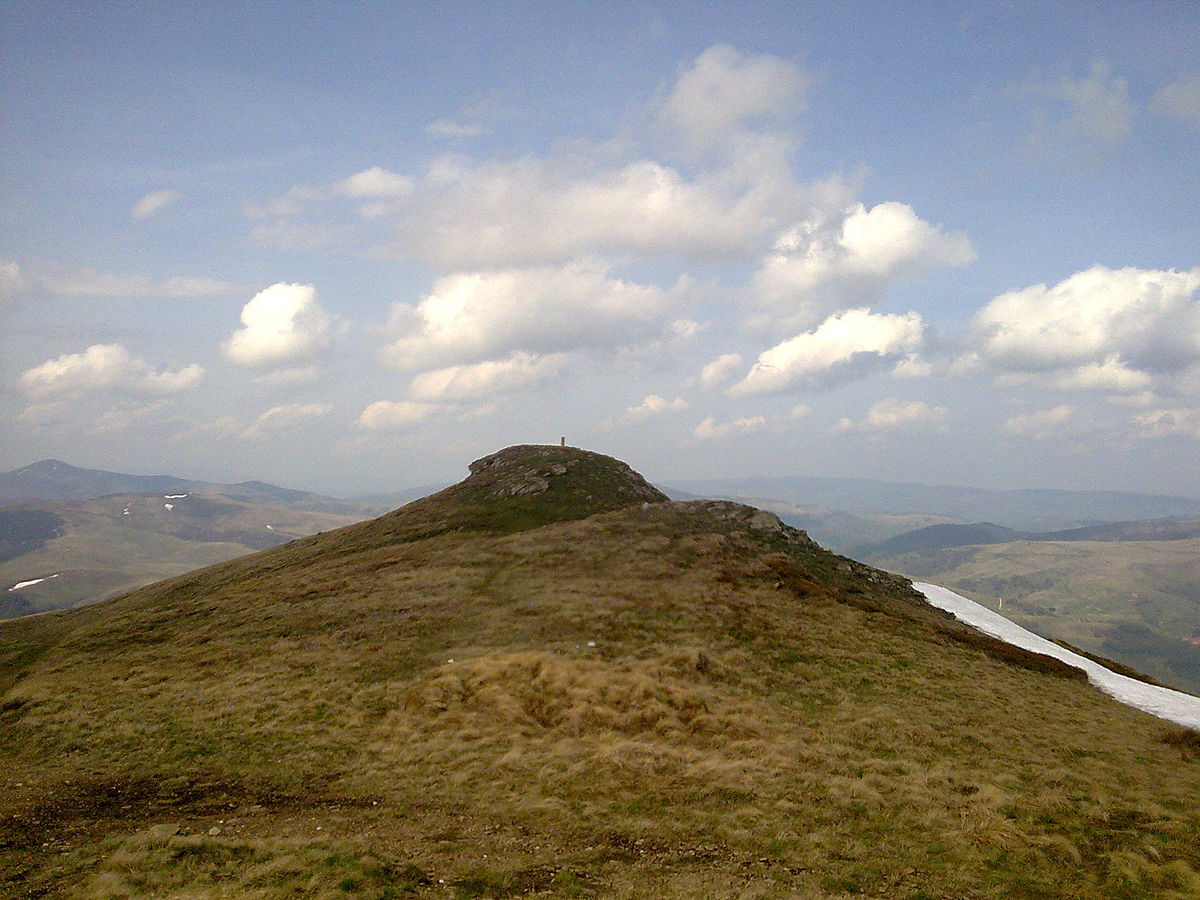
{"x": 58, "y": 555}
{"x": 549, "y": 679}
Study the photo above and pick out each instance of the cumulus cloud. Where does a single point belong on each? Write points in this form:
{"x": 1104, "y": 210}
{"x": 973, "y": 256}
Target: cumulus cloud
{"x": 844, "y": 346}
{"x": 1180, "y": 100}
{"x": 531, "y": 211}
{"x": 106, "y": 367}
{"x": 1113, "y": 330}
{"x": 399, "y": 415}
{"x": 838, "y": 260}
{"x": 154, "y": 202}
{"x": 719, "y": 371}
{"x": 473, "y": 316}
{"x": 486, "y": 379}
{"x": 1042, "y": 424}
{"x": 1078, "y": 120}
{"x": 724, "y": 92}
{"x": 281, "y": 325}
{"x": 710, "y": 429}
{"x": 588, "y": 199}
{"x": 891, "y": 414}
{"x": 650, "y": 407}
{"x": 278, "y": 418}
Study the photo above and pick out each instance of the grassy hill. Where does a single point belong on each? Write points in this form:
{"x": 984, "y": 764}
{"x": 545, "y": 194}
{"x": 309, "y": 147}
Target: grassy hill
{"x": 549, "y": 680}
{"x": 81, "y": 551}
{"x": 1122, "y": 594}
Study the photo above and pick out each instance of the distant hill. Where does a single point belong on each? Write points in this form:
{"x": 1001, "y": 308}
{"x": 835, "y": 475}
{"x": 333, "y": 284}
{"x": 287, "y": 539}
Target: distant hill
{"x": 1125, "y": 590}
{"x": 944, "y": 536}
{"x": 550, "y": 680}
{"x": 55, "y": 555}
{"x": 1024, "y": 510}
{"x": 53, "y": 479}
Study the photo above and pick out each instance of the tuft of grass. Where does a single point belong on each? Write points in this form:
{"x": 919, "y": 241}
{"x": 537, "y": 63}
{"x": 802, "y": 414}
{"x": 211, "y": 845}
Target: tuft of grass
{"x": 1186, "y": 739}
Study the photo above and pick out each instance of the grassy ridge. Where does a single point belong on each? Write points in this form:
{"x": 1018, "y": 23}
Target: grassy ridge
{"x": 1137, "y": 602}
{"x": 672, "y": 700}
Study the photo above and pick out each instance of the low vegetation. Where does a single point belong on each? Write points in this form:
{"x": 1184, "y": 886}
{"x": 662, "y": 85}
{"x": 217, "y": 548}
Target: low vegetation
{"x": 499, "y": 694}
{"x": 1132, "y": 601}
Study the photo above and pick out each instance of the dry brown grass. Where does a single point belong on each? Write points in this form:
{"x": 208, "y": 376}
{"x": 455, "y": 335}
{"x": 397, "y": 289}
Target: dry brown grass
{"x": 653, "y": 702}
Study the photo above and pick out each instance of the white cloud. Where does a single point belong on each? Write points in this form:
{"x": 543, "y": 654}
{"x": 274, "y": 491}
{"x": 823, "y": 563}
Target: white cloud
{"x": 1079, "y": 120}
{"x": 375, "y": 183}
{"x": 587, "y": 199}
{"x": 1165, "y": 422}
{"x": 719, "y": 371}
{"x": 912, "y": 366}
{"x": 1119, "y": 330}
{"x": 58, "y": 280}
{"x": 838, "y": 260}
{"x": 800, "y": 410}
{"x": 388, "y": 415}
{"x": 486, "y": 379}
{"x": 1042, "y": 424}
{"x": 724, "y": 92}
{"x": 844, "y": 346}
{"x": 1180, "y": 99}
{"x": 106, "y": 367}
{"x": 1110, "y": 376}
{"x": 472, "y": 316}
{"x": 278, "y": 418}
{"x": 154, "y": 202}
{"x": 383, "y": 189}
{"x": 891, "y": 414}
{"x": 530, "y": 211}
{"x": 650, "y": 407}
{"x": 710, "y": 429}
{"x": 282, "y": 324}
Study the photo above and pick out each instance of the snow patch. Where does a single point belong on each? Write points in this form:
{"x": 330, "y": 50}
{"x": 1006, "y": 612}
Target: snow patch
{"x": 168, "y": 506}
{"x": 33, "y": 581}
{"x": 269, "y": 528}
{"x": 1174, "y": 706}
{"x": 175, "y": 496}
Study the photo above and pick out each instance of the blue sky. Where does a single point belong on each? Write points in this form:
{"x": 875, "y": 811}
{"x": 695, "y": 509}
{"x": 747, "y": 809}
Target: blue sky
{"x": 351, "y": 246}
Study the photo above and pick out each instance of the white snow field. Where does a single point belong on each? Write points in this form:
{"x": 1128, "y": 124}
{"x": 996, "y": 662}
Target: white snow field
{"x": 1175, "y": 706}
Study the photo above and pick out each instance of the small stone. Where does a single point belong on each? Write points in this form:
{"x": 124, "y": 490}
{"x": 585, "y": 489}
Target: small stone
{"x": 164, "y": 831}
{"x": 214, "y": 831}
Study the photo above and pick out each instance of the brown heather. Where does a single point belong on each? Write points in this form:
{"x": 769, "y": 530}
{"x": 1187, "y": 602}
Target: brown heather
{"x": 548, "y": 681}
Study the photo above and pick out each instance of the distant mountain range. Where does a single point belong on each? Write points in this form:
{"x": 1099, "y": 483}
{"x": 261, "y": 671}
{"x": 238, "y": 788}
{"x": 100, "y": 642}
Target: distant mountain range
{"x": 72, "y": 536}
{"x": 1125, "y": 590}
{"x": 53, "y": 479}
{"x": 945, "y": 536}
{"x": 1025, "y": 509}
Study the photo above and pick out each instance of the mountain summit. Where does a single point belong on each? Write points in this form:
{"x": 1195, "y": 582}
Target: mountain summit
{"x": 549, "y": 679}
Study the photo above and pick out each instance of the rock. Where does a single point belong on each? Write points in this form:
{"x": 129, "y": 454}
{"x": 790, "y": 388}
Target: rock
{"x": 164, "y": 831}
{"x": 214, "y": 831}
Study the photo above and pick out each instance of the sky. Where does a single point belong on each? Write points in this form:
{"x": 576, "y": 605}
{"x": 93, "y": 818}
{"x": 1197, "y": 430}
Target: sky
{"x": 349, "y": 247}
